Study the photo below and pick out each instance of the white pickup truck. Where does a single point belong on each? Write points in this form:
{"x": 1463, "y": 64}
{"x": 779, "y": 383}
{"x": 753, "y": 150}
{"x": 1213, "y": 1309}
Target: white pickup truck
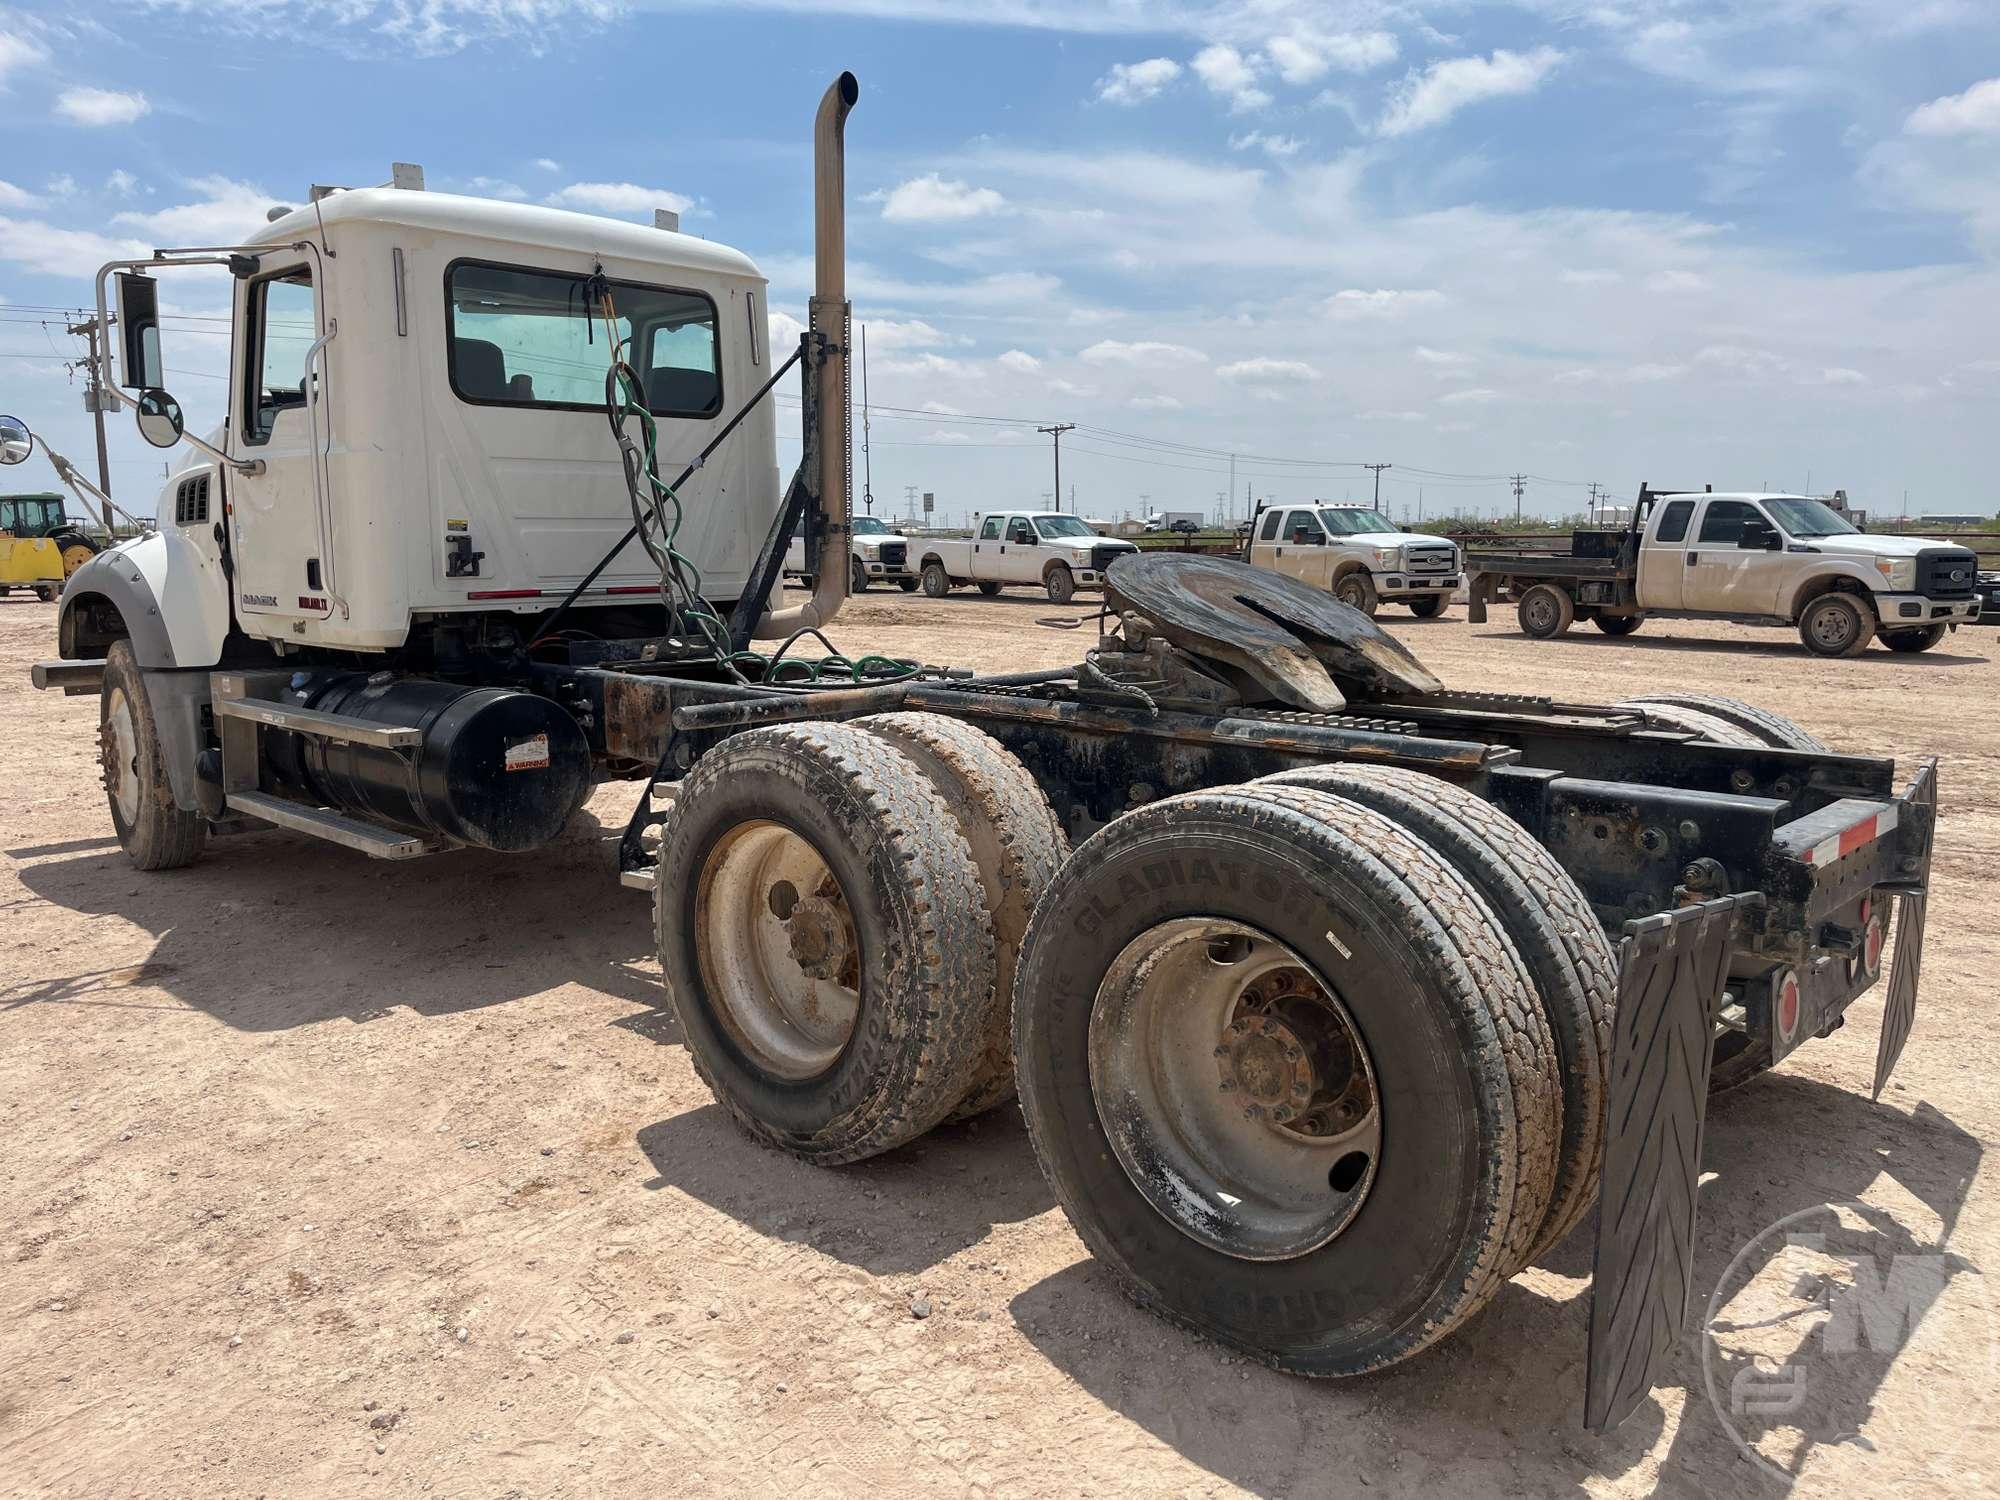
{"x": 1751, "y": 558}
{"x": 877, "y": 555}
{"x": 1358, "y": 555}
{"x": 1046, "y": 547}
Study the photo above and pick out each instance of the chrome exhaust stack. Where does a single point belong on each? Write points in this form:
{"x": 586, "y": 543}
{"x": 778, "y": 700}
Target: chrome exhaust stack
{"x": 829, "y": 317}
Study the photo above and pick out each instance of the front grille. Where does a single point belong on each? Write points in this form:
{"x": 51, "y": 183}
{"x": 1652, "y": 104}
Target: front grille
{"x": 1101, "y": 557}
{"x": 895, "y": 554}
{"x": 191, "y": 501}
{"x": 1947, "y": 573}
{"x": 1429, "y": 559}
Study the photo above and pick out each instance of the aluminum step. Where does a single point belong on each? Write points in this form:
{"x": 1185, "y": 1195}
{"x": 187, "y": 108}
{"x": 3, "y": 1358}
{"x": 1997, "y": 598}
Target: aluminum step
{"x": 324, "y": 823}
{"x": 640, "y": 880}
{"x": 322, "y": 726}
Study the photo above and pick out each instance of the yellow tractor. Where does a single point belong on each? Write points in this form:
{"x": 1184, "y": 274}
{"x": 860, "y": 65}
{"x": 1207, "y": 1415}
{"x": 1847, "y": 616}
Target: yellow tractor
{"x": 30, "y": 562}
{"x": 41, "y": 516}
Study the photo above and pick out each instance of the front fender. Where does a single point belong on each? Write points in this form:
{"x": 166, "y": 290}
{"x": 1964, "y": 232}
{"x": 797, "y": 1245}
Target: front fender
{"x": 173, "y": 600}
{"x": 1846, "y": 574}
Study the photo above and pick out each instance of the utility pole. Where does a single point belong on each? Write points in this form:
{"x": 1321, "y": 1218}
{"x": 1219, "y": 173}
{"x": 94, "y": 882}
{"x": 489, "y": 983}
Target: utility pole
{"x": 93, "y": 398}
{"x": 867, "y": 468}
{"x": 1232, "y": 484}
{"x": 910, "y": 502}
{"x": 1520, "y": 481}
{"x": 1056, "y": 432}
{"x": 1378, "y": 468}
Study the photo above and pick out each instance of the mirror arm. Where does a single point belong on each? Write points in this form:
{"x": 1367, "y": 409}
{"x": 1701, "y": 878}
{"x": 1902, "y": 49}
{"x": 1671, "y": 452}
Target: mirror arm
{"x": 67, "y": 473}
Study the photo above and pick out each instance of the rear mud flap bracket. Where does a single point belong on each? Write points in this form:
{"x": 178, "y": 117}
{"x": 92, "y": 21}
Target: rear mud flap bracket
{"x": 1671, "y": 973}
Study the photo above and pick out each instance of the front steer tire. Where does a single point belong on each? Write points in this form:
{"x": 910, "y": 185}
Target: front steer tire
{"x": 154, "y": 833}
{"x": 1357, "y": 591}
{"x": 1460, "y": 1059}
{"x": 899, "y": 911}
{"x": 1836, "y": 625}
{"x": 1060, "y": 583}
{"x": 1429, "y": 607}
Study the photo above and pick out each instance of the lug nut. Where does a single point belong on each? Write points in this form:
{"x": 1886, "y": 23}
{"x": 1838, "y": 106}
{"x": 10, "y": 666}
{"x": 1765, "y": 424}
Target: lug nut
{"x": 1283, "y": 1113}
{"x": 1253, "y": 1111}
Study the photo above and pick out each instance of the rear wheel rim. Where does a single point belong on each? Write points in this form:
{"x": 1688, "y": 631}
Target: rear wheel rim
{"x": 119, "y": 755}
{"x": 777, "y": 949}
{"x": 1541, "y": 612}
{"x": 1235, "y": 1089}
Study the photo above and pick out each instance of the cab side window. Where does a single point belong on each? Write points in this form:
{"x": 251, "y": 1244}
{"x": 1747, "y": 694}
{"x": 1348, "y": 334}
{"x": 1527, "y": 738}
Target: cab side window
{"x": 283, "y": 326}
{"x": 990, "y": 532}
{"x": 1674, "y": 521}
{"x": 1305, "y": 529}
{"x": 1270, "y": 531}
{"x": 1722, "y": 522}
{"x": 1020, "y": 533}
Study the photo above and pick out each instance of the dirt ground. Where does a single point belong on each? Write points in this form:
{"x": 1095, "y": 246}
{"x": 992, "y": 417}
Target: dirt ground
{"x": 323, "y": 1176}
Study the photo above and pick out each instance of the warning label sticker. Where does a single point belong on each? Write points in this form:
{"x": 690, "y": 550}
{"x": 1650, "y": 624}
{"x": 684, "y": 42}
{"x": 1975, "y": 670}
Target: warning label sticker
{"x": 531, "y": 754}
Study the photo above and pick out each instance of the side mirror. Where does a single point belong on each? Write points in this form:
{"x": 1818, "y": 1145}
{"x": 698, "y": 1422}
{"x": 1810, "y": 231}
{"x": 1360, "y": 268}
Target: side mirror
{"x": 16, "y": 442}
{"x": 159, "y": 417}
{"x": 139, "y": 332}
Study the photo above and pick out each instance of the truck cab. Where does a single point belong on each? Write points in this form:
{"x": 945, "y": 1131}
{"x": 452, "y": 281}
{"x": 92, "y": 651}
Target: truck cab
{"x": 1358, "y": 555}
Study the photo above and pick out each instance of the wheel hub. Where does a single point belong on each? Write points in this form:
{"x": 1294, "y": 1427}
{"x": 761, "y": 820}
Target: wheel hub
{"x": 819, "y": 937}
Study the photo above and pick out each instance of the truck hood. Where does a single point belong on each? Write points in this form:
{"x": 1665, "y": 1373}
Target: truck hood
{"x": 1396, "y": 539}
{"x": 1869, "y": 545}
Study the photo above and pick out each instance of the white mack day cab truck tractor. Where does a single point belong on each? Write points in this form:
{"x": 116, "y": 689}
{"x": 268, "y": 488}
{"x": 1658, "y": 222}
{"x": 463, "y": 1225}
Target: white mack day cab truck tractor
{"x": 1754, "y": 559}
{"x": 876, "y": 554}
{"x": 1048, "y": 549}
{"x": 1356, "y": 554}
{"x": 1332, "y": 997}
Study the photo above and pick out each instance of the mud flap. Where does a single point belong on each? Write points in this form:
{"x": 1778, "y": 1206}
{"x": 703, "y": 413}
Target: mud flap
{"x": 1899, "y": 1011}
{"x": 1671, "y": 972}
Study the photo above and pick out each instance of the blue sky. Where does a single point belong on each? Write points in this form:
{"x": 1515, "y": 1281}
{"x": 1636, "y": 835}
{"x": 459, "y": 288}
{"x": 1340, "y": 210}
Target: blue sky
{"x": 1588, "y": 240}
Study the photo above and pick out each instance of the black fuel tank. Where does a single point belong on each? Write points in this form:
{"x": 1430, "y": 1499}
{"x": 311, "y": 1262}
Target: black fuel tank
{"x": 496, "y": 768}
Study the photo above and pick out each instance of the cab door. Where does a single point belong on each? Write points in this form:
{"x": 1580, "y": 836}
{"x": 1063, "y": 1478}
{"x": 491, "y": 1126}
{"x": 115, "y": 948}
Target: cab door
{"x": 1663, "y": 557}
{"x": 281, "y": 422}
{"x": 1022, "y": 551}
{"x": 1301, "y": 548}
{"x": 1722, "y": 575}
{"x": 986, "y": 550}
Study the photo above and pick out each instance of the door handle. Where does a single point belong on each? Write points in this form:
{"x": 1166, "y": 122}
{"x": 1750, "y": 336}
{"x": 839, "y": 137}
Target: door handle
{"x": 1693, "y": 558}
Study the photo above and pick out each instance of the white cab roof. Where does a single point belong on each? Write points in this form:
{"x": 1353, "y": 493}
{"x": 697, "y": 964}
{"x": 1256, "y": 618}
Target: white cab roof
{"x": 528, "y": 224}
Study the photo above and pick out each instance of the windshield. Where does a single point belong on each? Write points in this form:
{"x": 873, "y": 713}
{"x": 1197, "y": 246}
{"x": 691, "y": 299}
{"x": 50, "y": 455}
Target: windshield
{"x": 869, "y": 526}
{"x": 1353, "y": 522}
{"x": 1052, "y": 526}
{"x": 1810, "y": 518}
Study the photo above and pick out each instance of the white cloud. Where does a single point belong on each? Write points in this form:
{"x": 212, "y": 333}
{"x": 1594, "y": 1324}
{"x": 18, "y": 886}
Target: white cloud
{"x": 53, "y": 251}
{"x": 1263, "y": 370}
{"x": 496, "y": 187}
{"x": 1477, "y": 396}
{"x": 18, "y": 51}
{"x": 1974, "y": 112}
{"x": 905, "y": 333}
{"x": 934, "y": 199}
{"x": 1020, "y": 362}
{"x": 784, "y": 331}
{"x": 1446, "y": 87}
{"x": 1676, "y": 281}
{"x": 1135, "y": 83}
{"x": 1304, "y": 55}
{"x": 1153, "y": 403}
{"x": 1230, "y": 75}
{"x": 624, "y": 199}
{"x": 931, "y": 366}
{"x": 546, "y": 164}
{"x": 89, "y": 106}
{"x": 1280, "y": 146}
{"x": 1383, "y": 302}
{"x": 1115, "y": 352}
{"x": 121, "y": 182}
{"x": 226, "y": 213}
{"x": 1390, "y": 416}
{"x": 1840, "y": 375}
{"x": 14, "y": 197}
{"x": 1590, "y": 276}
{"x": 1443, "y": 358}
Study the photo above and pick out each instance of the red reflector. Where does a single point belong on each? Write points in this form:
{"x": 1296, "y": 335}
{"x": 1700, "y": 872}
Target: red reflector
{"x": 1788, "y": 1006}
{"x": 505, "y": 594}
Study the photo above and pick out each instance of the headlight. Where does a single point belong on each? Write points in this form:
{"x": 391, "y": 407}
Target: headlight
{"x": 871, "y": 549}
{"x": 1386, "y": 556}
{"x": 1901, "y": 572}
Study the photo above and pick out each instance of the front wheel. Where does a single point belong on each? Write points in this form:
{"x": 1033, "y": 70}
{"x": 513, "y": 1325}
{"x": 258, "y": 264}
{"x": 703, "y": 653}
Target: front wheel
{"x": 907, "y": 585}
{"x": 1545, "y": 612}
{"x": 1429, "y": 607}
{"x": 937, "y": 582}
{"x": 1357, "y": 591}
{"x": 154, "y": 833}
{"x": 857, "y": 577}
{"x": 1837, "y": 625}
{"x": 45, "y": 593}
{"x": 1909, "y": 641}
{"x": 1060, "y": 583}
